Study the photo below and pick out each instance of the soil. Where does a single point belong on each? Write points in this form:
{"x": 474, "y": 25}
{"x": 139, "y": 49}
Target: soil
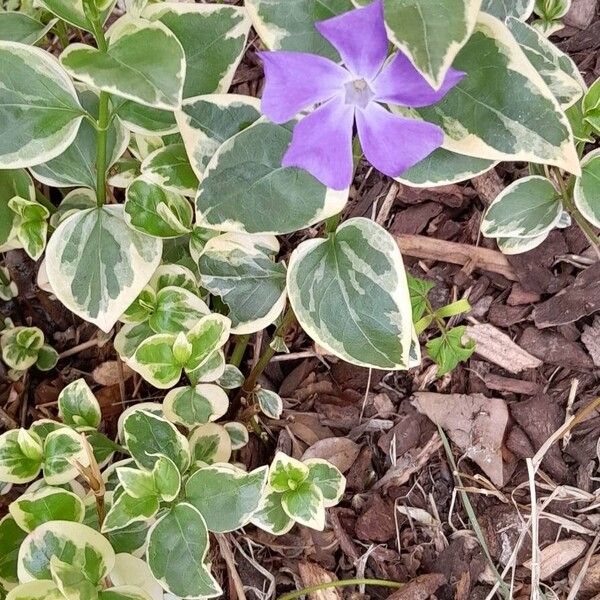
{"x": 426, "y": 505}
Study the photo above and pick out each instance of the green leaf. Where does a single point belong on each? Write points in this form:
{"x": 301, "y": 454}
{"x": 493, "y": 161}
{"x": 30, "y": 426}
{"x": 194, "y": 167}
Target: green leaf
{"x": 226, "y": 496}
{"x": 76, "y": 166}
{"x": 20, "y": 456}
{"x": 305, "y": 505}
{"x": 147, "y": 436}
{"x": 61, "y": 449}
{"x": 12, "y": 183}
{"x": 443, "y": 167}
{"x": 502, "y": 109}
{"x": 47, "y": 358}
{"x": 127, "y": 510}
{"x": 520, "y": 9}
{"x": 210, "y": 443}
{"x": 11, "y": 537}
{"x": 213, "y": 38}
{"x": 39, "y": 109}
{"x": 206, "y": 122}
{"x": 557, "y": 69}
{"x": 448, "y": 350}
{"x": 145, "y": 119}
{"x": 271, "y": 517}
{"x": 328, "y": 479}
{"x": 97, "y": 265}
{"x": 78, "y": 407}
{"x": 250, "y": 192}
{"x": 20, "y": 347}
{"x": 170, "y": 168}
{"x": 156, "y": 211}
{"x": 31, "y": 225}
{"x": 85, "y": 548}
{"x": 19, "y": 27}
{"x": 238, "y": 434}
{"x": 419, "y": 291}
{"x": 72, "y": 12}
{"x": 102, "y": 447}
{"x": 349, "y": 293}
{"x": 47, "y": 504}
{"x": 190, "y": 406}
{"x": 176, "y": 310}
{"x": 527, "y": 208}
{"x": 290, "y": 24}
{"x": 36, "y": 590}
{"x": 181, "y": 538}
{"x": 241, "y": 269}
{"x": 587, "y": 189}
{"x": 431, "y": 33}
{"x": 270, "y": 403}
{"x": 286, "y": 473}
{"x": 128, "y": 69}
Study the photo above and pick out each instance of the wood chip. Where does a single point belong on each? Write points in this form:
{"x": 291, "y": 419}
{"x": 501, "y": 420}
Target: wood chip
{"x": 420, "y": 588}
{"x": 312, "y": 574}
{"x": 557, "y": 556}
{"x": 591, "y": 339}
{"x": 508, "y": 384}
{"x": 497, "y": 348}
{"x": 339, "y": 451}
{"x": 457, "y": 254}
{"x": 474, "y": 422}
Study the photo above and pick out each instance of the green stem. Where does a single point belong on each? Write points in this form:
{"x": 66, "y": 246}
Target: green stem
{"x": 44, "y": 201}
{"x": 268, "y": 354}
{"x": 332, "y": 223}
{"x": 342, "y": 583}
{"x": 102, "y": 131}
{"x": 239, "y": 350}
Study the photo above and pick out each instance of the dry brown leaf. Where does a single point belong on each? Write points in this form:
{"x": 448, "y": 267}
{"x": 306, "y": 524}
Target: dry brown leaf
{"x": 420, "y": 588}
{"x": 108, "y": 373}
{"x": 474, "y": 423}
{"x": 496, "y": 347}
{"x": 591, "y": 579}
{"x": 339, "y": 451}
{"x": 557, "y": 556}
{"x": 312, "y": 574}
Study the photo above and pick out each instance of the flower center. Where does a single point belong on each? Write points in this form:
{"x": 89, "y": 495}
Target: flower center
{"x": 358, "y": 93}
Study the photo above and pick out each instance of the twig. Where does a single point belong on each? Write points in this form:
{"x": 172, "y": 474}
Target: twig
{"x": 79, "y": 348}
{"x": 342, "y": 583}
{"x": 231, "y": 567}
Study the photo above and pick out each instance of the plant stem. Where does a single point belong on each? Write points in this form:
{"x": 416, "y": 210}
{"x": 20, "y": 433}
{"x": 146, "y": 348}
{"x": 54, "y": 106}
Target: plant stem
{"x": 332, "y": 223}
{"x": 342, "y": 583}
{"x": 239, "y": 349}
{"x": 268, "y": 354}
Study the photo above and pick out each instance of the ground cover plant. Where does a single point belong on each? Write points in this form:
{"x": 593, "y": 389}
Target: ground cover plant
{"x": 178, "y": 179}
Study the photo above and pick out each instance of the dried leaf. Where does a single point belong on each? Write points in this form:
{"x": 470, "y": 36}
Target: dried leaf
{"x": 108, "y": 373}
{"x": 312, "y": 574}
{"x": 474, "y": 423}
{"x": 557, "y": 556}
{"x": 339, "y": 451}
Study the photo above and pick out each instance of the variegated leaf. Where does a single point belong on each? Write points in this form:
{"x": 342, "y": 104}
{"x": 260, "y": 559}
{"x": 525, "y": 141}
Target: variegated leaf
{"x": 130, "y": 336}
{"x": 76, "y": 166}
{"x": 527, "y": 208}
{"x": 126, "y": 510}
{"x": 206, "y": 122}
{"x": 210, "y": 443}
{"x": 133, "y": 571}
{"x": 502, "y": 109}
{"x": 21, "y": 456}
{"x": 213, "y": 38}
{"x": 512, "y": 246}
{"x": 78, "y": 407}
{"x": 191, "y": 406}
{"x": 170, "y": 168}
{"x": 241, "y": 269}
{"x": 181, "y": 538}
{"x": 443, "y": 167}
{"x": 156, "y": 211}
{"x": 502, "y": 9}
{"x": 557, "y": 69}
{"x": 36, "y": 590}
{"x": 232, "y": 378}
{"x": 86, "y": 548}
{"x": 74, "y": 201}
{"x": 13, "y": 182}
{"x": 176, "y": 309}
{"x": 587, "y": 188}
{"x": 22, "y": 28}
{"x": 349, "y": 293}
{"x": 289, "y": 24}
{"x": 31, "y": 225}
{"x": 126, "y": 592}
{"x": 127, "y": 69}
{"x": 174, "y": 275}
{"x": 305, "y": 505}
{"x": 270, "y": 516}
{"x": 270, "y": 403}
{"x": 39, "y": 110}
{"x": 286, "y": 473}
{"x": 327, "y": 478}
{"x": 72, "y": 11}
{"x": 97, "y": 265}
{"x": 145, "y": 119}
{"x": 431, "y": 33}
{"x": 238, "y": 434}
{"x": 210, "y": 370}
{"x": 11, "y": 538}
{"x": 63, "y": 449}
{"x": 245, "y": 188}
{"x": 226, "y": 496}
{"x": 20, "y": 347}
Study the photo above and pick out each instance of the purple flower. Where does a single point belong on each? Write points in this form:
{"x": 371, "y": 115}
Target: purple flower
{"x": 322, "y": 141}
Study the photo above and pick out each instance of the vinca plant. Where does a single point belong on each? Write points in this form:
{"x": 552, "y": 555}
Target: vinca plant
{"x": 152, "y": 199}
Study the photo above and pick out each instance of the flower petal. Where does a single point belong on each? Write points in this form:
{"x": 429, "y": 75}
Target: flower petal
{"x": 322, "y": 144}
{"x": 297, "y": 80}
{"x": 360, "y": 37}
{"x": 400, "y": 83}
{"x": 392, "y": 143}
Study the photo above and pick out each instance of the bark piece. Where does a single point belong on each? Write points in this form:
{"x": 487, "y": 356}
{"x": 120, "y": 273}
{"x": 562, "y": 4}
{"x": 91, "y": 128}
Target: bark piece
{"x": 377, "y": 523}
{"x": 497, "y": 348}
{"x": 591, "y": 339}
{"x": 509, "y": 384}
{"x": 475, "y": 423}
{"x": 555, "y": 349}
{"x": 420, "y": 588}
